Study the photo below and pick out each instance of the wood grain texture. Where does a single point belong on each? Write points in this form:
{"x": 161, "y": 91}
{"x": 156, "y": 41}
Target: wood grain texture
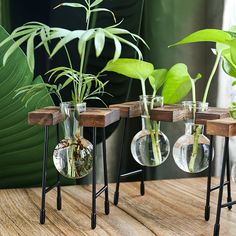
{"x": 221, "y": 127}
{"x": 92, "y": 117}
{"x": 168, "y": 113}
{"x": 45, "y": 116}
{"x": 212, "y": 113}
{"x": 128, "y": 109}
{"x": 168, "y": 208}
{"x": 99, "y": 117}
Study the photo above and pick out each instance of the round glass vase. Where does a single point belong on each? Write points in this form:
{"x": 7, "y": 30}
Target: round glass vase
{"x": 150, "y": 147}
{"x": 73, "y": 155}
{"x": 191, "y": 151}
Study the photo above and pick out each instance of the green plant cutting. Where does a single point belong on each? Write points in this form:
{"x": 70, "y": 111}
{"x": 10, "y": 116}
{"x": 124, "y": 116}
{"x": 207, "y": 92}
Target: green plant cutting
{"x": 84, "y": 85}
{"x": 174, "y": 81}
{"x": 82, "y": 82}
{"x": 226, "y": 48}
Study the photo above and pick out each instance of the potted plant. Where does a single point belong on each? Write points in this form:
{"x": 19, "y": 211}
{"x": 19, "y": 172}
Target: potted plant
{"x": 150, "y": 147}
{"x": 73, "y": 155}
{"x": 192, "y": 150}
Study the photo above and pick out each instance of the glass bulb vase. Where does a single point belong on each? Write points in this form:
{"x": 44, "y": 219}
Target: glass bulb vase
{"x": 150, "y": 147}
{"x": 72, "y": 156}
{"x": 191, "y": 151}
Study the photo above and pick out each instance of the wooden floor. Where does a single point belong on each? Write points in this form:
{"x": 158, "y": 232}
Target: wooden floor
{"x": 169, "y": 207}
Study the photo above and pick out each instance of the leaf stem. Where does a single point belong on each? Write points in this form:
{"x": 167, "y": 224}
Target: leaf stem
{"x": 210, "y": 79}
{"x": 70, "y": 63}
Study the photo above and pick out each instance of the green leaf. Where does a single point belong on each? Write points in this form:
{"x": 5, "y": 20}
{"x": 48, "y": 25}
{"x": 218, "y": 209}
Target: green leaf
{"x": 30, "y": 52}
{"x": 232, "y": 31}
{"x": 234, "y": 83}
{"x": 87, "y": 35}
{"x": 16, "y": 35}
{"x": 66, "y": 4}
{"x": 99, "y": 42}
{"x": 157, "y": 78}
{"x": 206, "y": 35}
{"x": 13, "y": 47}
{"x": 233, "y": 50}
{"x": 114, "y": 30}
{"x": 21, "y": 145}
{"x": 140, "y": 56}
{"x": 132, "y": 68}
{"x": 104, "y": 9}
{"x": 197, "y": 77}
{"x": 95, "y": 3}
{"x": 76, "y": 34}
{"x": 45, "y": 34}
{"x": 227, "y": 64}
{"x": 177, "y": 85}
{"x": 117, "y": 48}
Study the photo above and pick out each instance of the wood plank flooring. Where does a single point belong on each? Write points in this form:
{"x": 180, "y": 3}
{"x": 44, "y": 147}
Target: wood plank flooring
{"x": 169, "y": 207}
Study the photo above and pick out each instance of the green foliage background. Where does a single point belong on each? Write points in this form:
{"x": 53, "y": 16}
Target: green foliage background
{"x": 21, "y": 145}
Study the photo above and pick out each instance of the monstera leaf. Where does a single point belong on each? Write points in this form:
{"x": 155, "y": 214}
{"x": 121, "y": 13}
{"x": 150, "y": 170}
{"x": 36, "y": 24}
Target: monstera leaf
{"x": 21, "y": 145}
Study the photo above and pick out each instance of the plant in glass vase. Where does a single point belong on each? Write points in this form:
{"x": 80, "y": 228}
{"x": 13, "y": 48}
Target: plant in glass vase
{"x": 150, "y": 146}
{"x": 73, "y": 155}
{"x": 192, "y": 150}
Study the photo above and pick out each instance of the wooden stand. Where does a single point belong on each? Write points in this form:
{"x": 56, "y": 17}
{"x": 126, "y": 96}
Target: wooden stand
{"x": 93, "y": 117}
{"x": 128, "y": 110}
{"x": 169, "y": 113}
{"x": 226, "y": 128}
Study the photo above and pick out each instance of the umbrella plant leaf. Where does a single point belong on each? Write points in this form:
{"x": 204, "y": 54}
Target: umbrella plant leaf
{"x": 177, "y": 84}
{"x": 104, "y": 9}
{"x": 95, "y": 3}
{"x": 133, "y": 68}
{"x": 21, "y": 145}
{"x": 99, "y": 42}
{"x": 67, "y": 4}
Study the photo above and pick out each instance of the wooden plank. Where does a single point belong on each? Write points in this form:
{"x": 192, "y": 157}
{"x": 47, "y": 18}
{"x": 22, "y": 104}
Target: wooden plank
{"x": 45, "y": 116}
{"x": 92, "y": 117}
{"x": 128, "y": 109}
{"x": 168, "y": 113}
{"x": 212, "y": 113}
{"x": 168, "y": 208}
{"x": 222, "y": 127}
{"x": 99, "y": 117}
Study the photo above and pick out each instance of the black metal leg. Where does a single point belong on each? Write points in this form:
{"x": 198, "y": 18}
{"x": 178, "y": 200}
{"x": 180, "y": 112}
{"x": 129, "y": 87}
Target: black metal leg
{"x": 58, "y": 174}
{"x": 207, "y": 206}
{"x": 229, "y": 197}
{"x": 217, "y": 223}
{"x": 106, "y": 203}
{"x": 122, "y": 157}
{"x": 45, "y": 160}
{"x": 93, "y": 215}
{"x": 142, "y": 187}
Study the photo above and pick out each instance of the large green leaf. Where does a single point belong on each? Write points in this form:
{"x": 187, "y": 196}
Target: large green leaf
{"x": 233, "y": 50}
{"x": 227, "y": 64}
{"x": 21, "y": 145}
{"x": 157, "y": 78}
{"x": 206, "y": 35}
{"x": 177, "y": 85}
{"x": 133, "y": 68}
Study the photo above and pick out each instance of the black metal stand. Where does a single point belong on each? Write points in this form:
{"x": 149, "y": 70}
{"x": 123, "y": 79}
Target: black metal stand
{"x": 105, "y": 187}
{"x": 122, "y": 157}
{"x": 58, "y": 184}
{"x": 44, "y": 176}
{"x": 225, "y": 164}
